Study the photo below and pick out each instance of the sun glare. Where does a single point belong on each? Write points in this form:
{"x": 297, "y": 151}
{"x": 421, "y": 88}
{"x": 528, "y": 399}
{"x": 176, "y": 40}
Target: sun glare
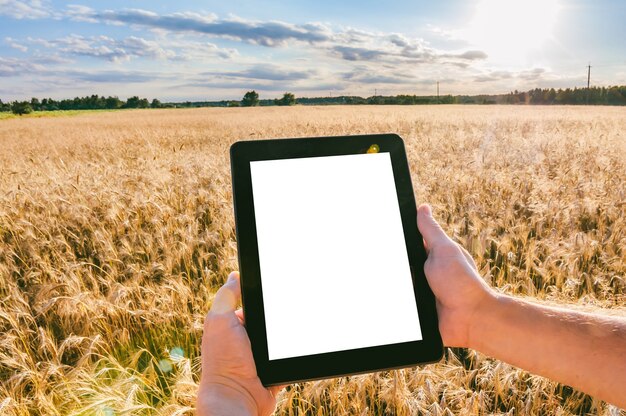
{"x": 509, "y": 30}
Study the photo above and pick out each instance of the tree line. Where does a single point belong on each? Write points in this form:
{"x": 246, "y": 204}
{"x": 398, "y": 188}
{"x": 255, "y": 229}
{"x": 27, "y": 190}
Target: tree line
{"x": 91, "y": 102}
{"x": 251, "y": 99}
{"x": 549, "y": 96}
{"x": 577, "y": 96}
{"x": 613, "y": 95}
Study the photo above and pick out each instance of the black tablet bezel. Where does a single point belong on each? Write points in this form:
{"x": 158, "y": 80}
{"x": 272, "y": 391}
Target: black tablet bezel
{"x": 333, "y": 364}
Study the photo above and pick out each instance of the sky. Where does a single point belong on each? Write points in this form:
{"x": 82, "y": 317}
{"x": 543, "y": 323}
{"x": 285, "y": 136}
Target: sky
{"x": 208, "y": 50}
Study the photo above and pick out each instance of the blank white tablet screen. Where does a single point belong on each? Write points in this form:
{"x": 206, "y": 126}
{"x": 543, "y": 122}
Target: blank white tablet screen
{"x": 334, "y": 267}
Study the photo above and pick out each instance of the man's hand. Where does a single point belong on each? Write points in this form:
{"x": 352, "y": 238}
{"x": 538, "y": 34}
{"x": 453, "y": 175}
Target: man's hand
{"x": 452, "y": 275}
{"x": 229, "y": 384}
{"x": 585, "y": 351}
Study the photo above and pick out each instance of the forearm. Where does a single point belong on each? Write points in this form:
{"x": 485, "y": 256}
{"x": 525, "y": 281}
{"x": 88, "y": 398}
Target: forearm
{"x": 585, "y": 351}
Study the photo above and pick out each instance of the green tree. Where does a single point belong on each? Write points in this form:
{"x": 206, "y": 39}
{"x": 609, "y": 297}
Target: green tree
{"x": 35, "y": 104}
{"x": 250, "y": 99}
{"x": 112, "y": 103}
{"x": 21, "y": 107}
{"x": 564, "y": 96}
{"x": 94, "y": 102}
{"x": 156, "y": 104}
{"x": 5, "y": 106}
{"x": 616, "y": 96}
{"x": 288, "y": 99}
{"x": 132, "y": 102}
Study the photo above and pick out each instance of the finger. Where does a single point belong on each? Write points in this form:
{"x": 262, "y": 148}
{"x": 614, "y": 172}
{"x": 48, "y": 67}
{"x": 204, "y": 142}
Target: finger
{"x": 276, "y": 389}
{"x": 228, "y": 296}
{"x": 430, "y": 229}
{"x": 468, "y": 256}
{"x": 239, "y": 313}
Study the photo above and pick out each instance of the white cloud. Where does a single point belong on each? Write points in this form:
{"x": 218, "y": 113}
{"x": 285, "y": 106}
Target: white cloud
{"x": 38, "y": 68}
{"x": 450, "y": 35}
{"x": 269, "y": 33}
{"x": 15, "y": 44}
{"x": 499, "y": 75}
{"x": 470, "y": 55}
{"x": 80, "y": 13}
{"x": 532, "y": 74}
{"x": 104, "y": 47}
{"x": 10, "y": 67}
{"x": 125, "y": 49}
{"x": 269, "y": 72}
{"x": 188, "y": 50}
{"x": 25, "y": 9}
{"x": 349, "y": 44}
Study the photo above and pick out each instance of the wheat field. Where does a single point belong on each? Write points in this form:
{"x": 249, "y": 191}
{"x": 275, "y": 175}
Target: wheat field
{"x": 117, "y": 228}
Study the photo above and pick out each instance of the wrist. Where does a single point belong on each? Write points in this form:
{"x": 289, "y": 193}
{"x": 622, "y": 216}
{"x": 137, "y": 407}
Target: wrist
{"x": 482, "y": 321}
{"x": 221, "y": 396}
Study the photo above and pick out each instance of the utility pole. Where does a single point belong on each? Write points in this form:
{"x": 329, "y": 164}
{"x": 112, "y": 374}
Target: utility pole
{"x": 588, "y": 80}
{"x": 375, "y": 92}
{"x": 437, "y": 92}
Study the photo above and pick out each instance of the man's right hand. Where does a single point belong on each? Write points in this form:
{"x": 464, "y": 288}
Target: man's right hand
{"x": 585, "y": 351}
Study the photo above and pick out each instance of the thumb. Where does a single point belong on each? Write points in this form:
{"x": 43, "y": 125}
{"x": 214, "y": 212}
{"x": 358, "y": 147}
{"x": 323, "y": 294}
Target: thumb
{"x": 228, "y": 296}
{"x": 430, "y": 229}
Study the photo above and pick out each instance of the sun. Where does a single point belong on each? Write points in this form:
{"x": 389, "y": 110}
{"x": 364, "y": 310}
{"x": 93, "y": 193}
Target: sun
{"x": 510, "y": 30}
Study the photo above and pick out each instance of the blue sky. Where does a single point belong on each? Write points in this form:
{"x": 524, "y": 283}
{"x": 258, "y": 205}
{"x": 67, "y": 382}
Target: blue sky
{"x": 193, "y": 50}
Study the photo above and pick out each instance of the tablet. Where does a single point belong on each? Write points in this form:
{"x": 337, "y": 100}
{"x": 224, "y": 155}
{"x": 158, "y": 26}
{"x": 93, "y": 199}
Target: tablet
{"x": 330, "y": 257}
